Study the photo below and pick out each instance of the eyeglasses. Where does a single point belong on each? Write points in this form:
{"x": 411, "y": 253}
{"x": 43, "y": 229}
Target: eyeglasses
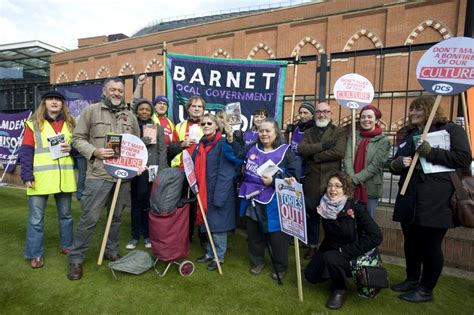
{"x": 337, "y": 186}
{"x": 325, "y": 112}
{"x": 209, "y": 123}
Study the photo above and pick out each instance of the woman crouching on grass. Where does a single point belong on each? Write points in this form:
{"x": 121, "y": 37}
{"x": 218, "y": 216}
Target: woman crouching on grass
{"x": 342, "y": 217}
{"x": 44, "y": 176}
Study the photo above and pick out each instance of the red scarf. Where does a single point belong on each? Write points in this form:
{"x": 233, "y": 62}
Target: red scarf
{"x": 200, "y": 170}
{"x": 361, "y": 192}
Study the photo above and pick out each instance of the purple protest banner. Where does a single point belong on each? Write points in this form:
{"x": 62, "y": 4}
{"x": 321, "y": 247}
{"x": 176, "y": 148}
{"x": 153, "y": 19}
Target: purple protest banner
{"x": 79, "y": 97}
{"x": 11, "y": 134}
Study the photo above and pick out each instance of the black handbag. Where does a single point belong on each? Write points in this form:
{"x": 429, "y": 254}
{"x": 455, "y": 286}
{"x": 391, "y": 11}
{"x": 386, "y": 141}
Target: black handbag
{"x": 372, "y": 277}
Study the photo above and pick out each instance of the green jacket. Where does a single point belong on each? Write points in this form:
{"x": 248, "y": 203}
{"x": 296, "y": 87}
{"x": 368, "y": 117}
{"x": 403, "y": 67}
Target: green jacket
{"x": 376, "y": 156}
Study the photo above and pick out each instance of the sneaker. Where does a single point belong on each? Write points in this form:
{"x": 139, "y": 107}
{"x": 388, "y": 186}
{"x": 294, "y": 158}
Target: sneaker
{"x": 204, "y": 258}
{"x": 132, "y": 244}
{"x": 256, "y": 270}
{"x": 213, "y": 265}
{"x": 147, "y": 242}
{"x": 38, "y": 262}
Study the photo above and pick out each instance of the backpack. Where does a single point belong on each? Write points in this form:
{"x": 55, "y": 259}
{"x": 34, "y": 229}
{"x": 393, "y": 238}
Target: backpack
{"x": 462, "y": 201}
{"x": 166, "y": 190}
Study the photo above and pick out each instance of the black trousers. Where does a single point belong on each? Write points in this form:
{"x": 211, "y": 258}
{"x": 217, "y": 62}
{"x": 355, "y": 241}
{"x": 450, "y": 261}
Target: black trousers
{"x": 327, "y": 265}
{"x": 423, "y": 254}
{"x": 279, "y": 243}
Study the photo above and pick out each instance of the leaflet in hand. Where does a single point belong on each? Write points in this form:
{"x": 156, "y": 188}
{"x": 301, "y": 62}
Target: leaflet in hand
{"x": 437, "y": 139}
{"x": 149, "y": 130}
{"x": 233, "y": 113}
{"x": 194, "y": 132}
{"x": 54, "y": 144}
{"x": 268, "y": 169}
{"x": 114, "y": 142}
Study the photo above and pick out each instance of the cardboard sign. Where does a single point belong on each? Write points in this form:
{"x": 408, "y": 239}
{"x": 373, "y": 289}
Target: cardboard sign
{"x": 447, "y": 68}
{"x": 291, "y": 209}
{"x": 189, "y": 171}
{"x": 353, "y": 91}
{"x": 133, "y": 156}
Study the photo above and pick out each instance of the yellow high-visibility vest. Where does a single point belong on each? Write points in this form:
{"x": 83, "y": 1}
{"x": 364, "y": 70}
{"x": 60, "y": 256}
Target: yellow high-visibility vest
{"x": 181, "y": 131}
{"x": 51, "y": 176}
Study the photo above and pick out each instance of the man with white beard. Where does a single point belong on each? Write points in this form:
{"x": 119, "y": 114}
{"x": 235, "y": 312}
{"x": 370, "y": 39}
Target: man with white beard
{"x": 323, "y": 148}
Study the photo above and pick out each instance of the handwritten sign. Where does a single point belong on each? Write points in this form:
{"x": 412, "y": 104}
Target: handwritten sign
{"x": 447, "y": 68}
{"x": 133, "y": 156}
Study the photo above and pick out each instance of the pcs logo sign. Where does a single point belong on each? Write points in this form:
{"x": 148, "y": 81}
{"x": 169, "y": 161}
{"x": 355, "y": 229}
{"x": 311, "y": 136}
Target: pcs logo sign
{"x": 442, "y": 88}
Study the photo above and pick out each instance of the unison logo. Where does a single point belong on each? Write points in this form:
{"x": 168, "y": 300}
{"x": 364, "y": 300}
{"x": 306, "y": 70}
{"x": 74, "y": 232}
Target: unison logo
{"x": 442, "y": 88}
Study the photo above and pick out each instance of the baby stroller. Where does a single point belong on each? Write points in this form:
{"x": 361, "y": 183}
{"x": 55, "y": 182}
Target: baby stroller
{"x": 169, "y": 222}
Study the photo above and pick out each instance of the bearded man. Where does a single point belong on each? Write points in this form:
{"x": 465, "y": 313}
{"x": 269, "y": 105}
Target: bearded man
{"x": 110, "y": 115}
{"x": 322, "y": 148}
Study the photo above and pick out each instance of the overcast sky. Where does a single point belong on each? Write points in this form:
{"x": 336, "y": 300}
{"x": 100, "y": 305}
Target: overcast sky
{"x": 61, "y": 22}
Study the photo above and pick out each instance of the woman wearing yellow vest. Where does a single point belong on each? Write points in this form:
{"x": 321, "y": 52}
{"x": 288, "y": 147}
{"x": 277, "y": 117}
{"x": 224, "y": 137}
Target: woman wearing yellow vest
{"x": 44, "y": 173}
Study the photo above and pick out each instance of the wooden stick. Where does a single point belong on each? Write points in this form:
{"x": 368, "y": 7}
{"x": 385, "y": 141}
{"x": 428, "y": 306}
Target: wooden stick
{"x": 298, "y": 269}
{"x": 466, "y": 117}
{"x": 423, "y": 136}
{"x": 293, "y": 94}
{"x": 209, "y": 235}
{"x": 164, "y": 68}
{"x": 109, "y": 222}
{"x": 353, "y": 134}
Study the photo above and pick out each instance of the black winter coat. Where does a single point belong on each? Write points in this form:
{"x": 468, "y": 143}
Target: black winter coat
{"x": 427, "y": 199}
{"x": 340, "y": 233}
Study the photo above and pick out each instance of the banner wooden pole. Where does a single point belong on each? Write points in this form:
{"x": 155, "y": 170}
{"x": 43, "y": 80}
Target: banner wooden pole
{"x": 164, "y": 68}
{"x": 353, "y": 111}
{"x": 109, "y": 222}
{"x": 466, "y": 117}
{"x": 423, "y": 136}
{"x": 293, "y": 93}
{"x": 209, "y": 235}
{"x": 298, "y": 268}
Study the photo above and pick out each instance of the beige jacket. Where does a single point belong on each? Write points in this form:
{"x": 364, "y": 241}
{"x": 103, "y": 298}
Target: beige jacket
{"x": 94, "y": 123}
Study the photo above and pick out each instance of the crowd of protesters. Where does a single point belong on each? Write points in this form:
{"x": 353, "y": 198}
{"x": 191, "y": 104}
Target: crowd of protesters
{"x": 342, "y": 185}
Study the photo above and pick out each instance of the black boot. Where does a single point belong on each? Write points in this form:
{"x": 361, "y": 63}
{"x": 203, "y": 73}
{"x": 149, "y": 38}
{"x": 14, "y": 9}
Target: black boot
{"x": 405, "y": 286}
{"x": 420, "y": 295}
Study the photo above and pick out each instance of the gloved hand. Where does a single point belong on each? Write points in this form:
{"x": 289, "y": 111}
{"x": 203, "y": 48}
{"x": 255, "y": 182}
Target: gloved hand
{"x": 397, "y": 164}
{"x": 424, "y": 149}
{"x": 290, "y": 128}
{"x": 328, "y": 145}
{"x": 146, "y": 140}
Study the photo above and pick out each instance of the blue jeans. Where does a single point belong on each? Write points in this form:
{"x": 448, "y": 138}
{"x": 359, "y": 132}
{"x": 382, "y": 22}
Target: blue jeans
{"x": 81, "y": 165}
{"x": 34, "y": 230}
{"x": 220, "y": 242}
{"x": 372, "y": 204}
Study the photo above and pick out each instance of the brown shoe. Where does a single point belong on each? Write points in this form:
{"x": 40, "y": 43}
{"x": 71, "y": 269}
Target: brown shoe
{"x": 112, "y": 257}
{"x": 256, "y": 270}
{"x": 38, "y": 262}
{"x": 75, "y": 271}
{"x": 337, "y": 299}
{"x": 65, "y": 251}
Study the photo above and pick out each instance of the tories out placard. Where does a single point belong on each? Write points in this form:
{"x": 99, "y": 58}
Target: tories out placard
{"x": 291, "y": 209}
{"x": 255, "y": 84}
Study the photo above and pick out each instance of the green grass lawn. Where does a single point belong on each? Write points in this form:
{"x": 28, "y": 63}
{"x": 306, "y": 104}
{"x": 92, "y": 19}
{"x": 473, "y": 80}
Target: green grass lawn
{"x": 47, "y": 290}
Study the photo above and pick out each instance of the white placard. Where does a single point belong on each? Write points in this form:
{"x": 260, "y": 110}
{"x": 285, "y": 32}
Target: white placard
{"x": 447, "y": 68}
{"x": 353, "y": 91}
{"x": 291, "y": 209}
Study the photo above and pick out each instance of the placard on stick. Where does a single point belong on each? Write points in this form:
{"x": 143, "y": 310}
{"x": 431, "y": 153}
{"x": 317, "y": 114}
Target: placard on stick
{"x": 133, "y": 156}
{"x": 447, "y": 68}
{"x": 353, "y": 91}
